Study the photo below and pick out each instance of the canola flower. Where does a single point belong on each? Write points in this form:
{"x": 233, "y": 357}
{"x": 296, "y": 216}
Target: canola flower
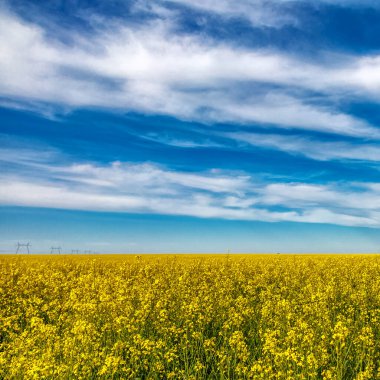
{"x": 190, "y": 317}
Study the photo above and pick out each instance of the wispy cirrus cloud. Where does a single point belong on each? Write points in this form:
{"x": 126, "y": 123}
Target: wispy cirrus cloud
{"x": 312, "y": 148}
{"x": 258, "y": 12}
{"x": 265, "y": 12}
{"x": 151, "y": 188}
{"x": 153, "y": 69}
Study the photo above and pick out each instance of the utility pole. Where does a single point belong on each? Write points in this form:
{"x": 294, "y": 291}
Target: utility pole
{"x": 21, "y": 245}
{"x": 55, "y": 249}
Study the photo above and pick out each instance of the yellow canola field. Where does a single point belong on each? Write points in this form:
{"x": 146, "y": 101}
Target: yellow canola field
{"x": 190, "y": 317}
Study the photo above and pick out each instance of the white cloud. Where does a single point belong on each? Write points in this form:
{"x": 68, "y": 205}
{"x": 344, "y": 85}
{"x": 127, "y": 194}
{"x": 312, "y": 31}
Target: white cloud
{"x": 137, "y": 178}
{"x": 258, "y": 12}
{"x": 148, "y": 188}
{"x": 291, "y": 113}
{"x": 200, "y": 141}
{"x": 152, "y": 69}
{"x": 303, "y": 195}
{"x": 312, "y": 148}
{"x": 264, "y": 13}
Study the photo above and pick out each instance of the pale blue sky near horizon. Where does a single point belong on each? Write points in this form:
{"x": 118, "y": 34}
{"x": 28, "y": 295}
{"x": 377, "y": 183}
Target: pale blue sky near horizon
{"x": 190, "y": 126}
{"x": 136, "y": 233}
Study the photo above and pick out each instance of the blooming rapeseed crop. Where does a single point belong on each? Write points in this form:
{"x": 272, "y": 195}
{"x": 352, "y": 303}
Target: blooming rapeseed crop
{"x": 190, "y": 317}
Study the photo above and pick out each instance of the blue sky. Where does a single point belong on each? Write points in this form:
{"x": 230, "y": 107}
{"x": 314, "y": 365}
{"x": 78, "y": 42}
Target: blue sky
{"x": 190, "y": 126}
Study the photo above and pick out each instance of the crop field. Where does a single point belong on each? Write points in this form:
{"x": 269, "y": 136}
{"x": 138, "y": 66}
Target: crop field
{"x": 190, "y": 317}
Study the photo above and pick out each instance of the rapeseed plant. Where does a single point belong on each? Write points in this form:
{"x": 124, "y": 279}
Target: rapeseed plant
{"x": 190, "y": 317}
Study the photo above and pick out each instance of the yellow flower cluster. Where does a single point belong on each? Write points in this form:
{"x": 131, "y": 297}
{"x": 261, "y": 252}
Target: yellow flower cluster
{"x": 190, "y": 317}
